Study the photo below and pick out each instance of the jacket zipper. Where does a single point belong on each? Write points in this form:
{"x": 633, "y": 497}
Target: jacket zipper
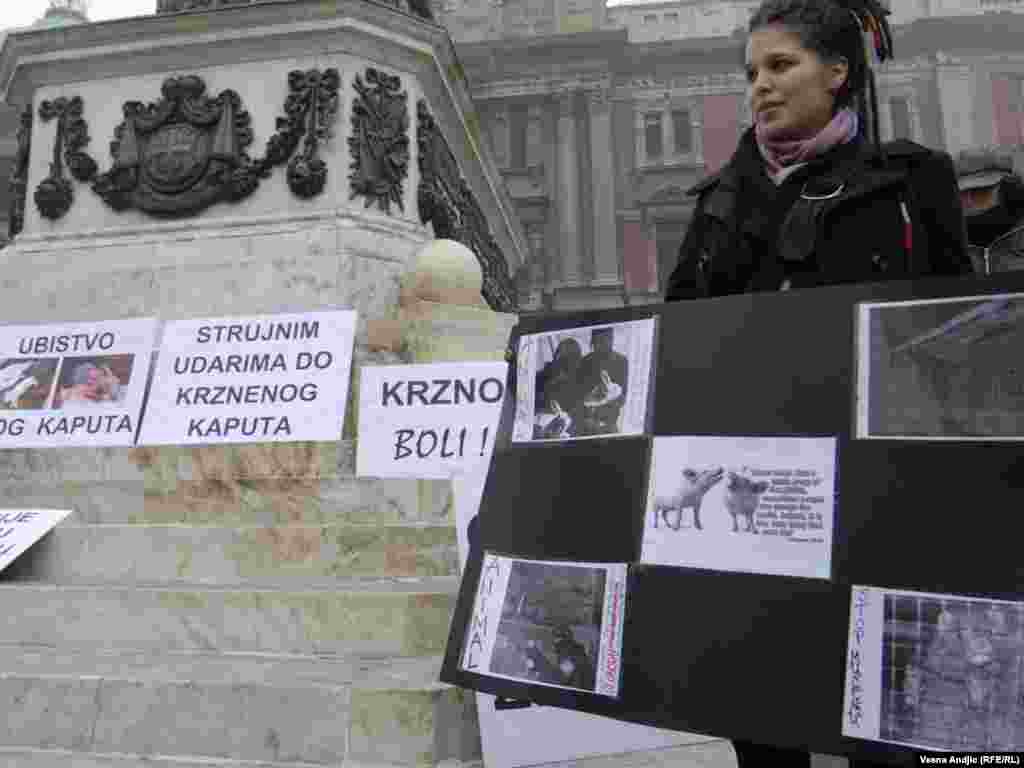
{"x": 988, "y": 248}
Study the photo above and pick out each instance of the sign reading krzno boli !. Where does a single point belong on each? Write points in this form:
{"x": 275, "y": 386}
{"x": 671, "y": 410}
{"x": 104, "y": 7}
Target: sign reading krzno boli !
{"x": 74, "y": 384}
{"x": 269, "y": 378}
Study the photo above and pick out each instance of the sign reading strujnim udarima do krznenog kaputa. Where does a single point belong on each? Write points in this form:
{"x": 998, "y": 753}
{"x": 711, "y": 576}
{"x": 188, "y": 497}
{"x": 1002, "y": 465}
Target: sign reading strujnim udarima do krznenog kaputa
{"x": 264, "y": 378}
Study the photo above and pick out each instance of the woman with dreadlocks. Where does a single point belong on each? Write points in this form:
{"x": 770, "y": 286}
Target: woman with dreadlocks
{"x": 811, "y": 197}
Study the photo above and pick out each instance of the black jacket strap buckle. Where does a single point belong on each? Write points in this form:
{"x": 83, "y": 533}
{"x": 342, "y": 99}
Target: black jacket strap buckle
{"x": 840, "y": 186}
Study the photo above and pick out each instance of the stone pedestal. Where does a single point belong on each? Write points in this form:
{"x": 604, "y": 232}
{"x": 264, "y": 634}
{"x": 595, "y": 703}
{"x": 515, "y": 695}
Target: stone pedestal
{"x": 253, "y": 602}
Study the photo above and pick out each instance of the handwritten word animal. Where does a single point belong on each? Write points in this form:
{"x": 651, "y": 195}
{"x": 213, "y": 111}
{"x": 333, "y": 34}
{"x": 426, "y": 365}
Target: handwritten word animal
{"x": 741, "y": 497}
{"x": 689, "y": 494}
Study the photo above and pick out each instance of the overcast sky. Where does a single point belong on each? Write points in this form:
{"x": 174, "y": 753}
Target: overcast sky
{"x": 22, "y": 13}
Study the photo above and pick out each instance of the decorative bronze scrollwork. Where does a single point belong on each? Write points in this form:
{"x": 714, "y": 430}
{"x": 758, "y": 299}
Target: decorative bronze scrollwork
{"x": 310, "y": 109}
{"x": 448, "y": 204}
{"x": 312, "y": 105}
{"x": 54, "y": 194}
{"x": 19, "y": 174}
{"x": 379, "y": 144}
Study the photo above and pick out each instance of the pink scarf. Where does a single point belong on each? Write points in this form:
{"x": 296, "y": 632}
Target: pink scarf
{"x": 778, "y": 154}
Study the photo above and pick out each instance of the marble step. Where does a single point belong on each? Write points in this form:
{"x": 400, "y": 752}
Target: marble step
{"x": 120, "y": 707}
{"x": 300, "y": 555}
{"x": 238, "y": 502}
{"x": 394, "y": 617}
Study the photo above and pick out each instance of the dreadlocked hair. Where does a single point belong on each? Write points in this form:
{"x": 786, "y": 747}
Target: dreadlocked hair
{"x": 854, "y": 30}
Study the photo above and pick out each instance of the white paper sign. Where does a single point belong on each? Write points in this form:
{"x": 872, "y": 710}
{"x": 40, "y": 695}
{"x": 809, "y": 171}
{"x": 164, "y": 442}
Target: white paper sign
{"x": 266, "y": 378}
{"x": 750, "y": 504}
{"x": 513, "y": 738}
{"x": 428, "y": 421}
{"x": 21, "y": 528}
{"x": 73, "y": 384}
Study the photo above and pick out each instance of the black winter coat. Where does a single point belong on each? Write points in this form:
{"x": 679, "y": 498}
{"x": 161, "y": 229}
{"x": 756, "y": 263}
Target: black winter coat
{"x": 857, "y": 235}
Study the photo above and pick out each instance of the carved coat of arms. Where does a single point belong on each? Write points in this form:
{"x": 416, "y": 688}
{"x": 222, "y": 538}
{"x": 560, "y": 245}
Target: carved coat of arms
{"x": 180, "y": 154}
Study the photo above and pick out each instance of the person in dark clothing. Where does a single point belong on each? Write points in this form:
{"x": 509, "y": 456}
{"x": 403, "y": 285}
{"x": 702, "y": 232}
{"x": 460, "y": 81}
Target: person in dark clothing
{"x": 811, "y": 197}
{"x": 603, "y": 376}
{"x": 807, "y": 199}
{"x": 993, "y": 198}
{"x": 557, "y": 391}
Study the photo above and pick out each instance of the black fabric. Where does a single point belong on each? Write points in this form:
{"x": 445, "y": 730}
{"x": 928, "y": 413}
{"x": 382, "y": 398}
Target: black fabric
{"x": 750, "y": 755}
{"x": 778, "y": 235}
{"x": 986, "y": 226}
{"x": 857, "y": 236}
{"x": 741, "y": 655}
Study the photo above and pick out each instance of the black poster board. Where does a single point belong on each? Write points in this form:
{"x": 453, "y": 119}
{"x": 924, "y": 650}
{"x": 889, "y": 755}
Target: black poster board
{"x": 741, "y": 655}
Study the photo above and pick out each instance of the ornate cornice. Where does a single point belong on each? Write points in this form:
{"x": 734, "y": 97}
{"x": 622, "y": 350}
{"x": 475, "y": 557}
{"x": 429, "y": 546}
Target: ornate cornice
{"x": 537, "y": 86}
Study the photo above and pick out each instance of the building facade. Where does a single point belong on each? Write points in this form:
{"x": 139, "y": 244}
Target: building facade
{"x": 602, "y": 117}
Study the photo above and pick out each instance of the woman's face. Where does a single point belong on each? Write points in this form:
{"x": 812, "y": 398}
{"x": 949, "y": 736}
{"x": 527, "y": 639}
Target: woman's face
{"x": 792, "y": 89}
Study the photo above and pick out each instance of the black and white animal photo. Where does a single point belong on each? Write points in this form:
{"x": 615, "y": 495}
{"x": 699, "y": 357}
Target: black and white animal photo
{"x": 742, "y": 496}
{"x": 581, "y": 388}
{"x": 953, "y": 673}
{"x": 584, "y": 382}
{"x": 688, "y": 493}
{"x": 550, "y": 625}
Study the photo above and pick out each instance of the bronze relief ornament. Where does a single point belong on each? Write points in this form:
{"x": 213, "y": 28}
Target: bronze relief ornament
{"x": 176, "y": 156}
{"x": 54, "y": 194}
{"x": 187, "y": 151}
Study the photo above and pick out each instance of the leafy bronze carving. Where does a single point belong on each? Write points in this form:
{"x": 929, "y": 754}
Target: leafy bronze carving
{"x": 54, "y": 194}
{"x": 311, "y": 107}
{"x": 379, "y": 144}
{"x": 448, "y": 204}
{"x": 19, "y": 174}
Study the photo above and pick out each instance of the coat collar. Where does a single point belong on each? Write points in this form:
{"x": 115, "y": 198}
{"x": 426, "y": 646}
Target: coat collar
{"x": 858, "y": 173}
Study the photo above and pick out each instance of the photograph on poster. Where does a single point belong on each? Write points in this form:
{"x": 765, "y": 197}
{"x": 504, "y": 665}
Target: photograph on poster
{"x": 749, "y": 504}
{"x": 67, "y": 384}
{"x": 550, "y": 623}
{"x": 941, "y": 369}
{"x": 937, "y": 672}
{"x": 26, "y": 383}
{"x": 93, "y": 381}
{"x": 583, "y": 382}
{"x": 534, "y": 735}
